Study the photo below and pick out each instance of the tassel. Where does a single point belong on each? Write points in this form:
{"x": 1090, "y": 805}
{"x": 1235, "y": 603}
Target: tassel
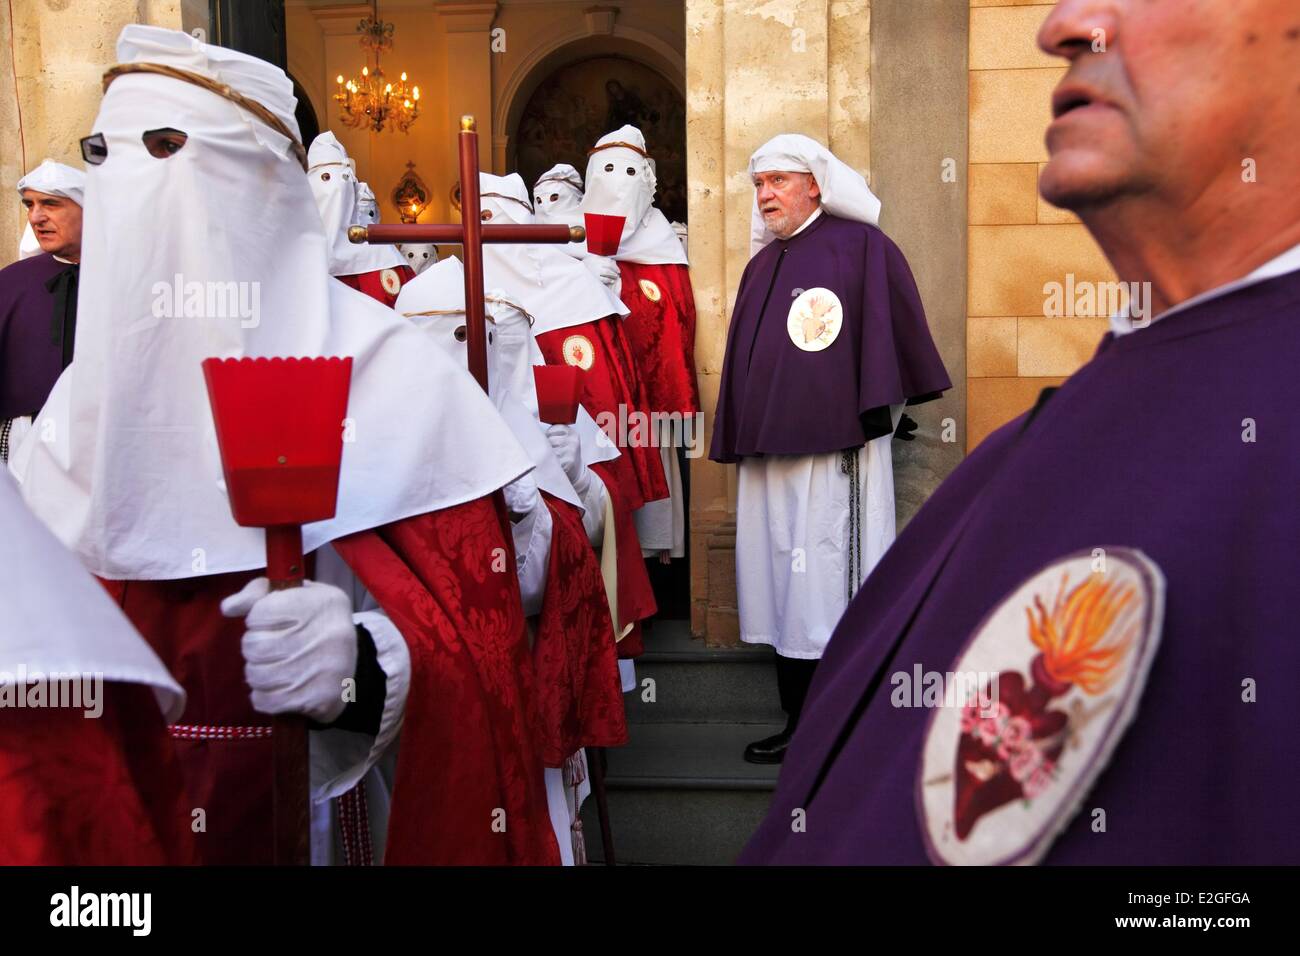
{"x": 579, "y": 844}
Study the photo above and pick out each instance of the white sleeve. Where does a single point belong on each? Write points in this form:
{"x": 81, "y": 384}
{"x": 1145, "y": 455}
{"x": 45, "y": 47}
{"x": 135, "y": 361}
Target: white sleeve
{"x": 340, "y": 758}
{"x": 532, "y": 537}
{"x": 593, "y": 500}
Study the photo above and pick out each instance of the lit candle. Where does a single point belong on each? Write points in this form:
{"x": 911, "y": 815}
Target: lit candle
{"x": 339, "y": 79}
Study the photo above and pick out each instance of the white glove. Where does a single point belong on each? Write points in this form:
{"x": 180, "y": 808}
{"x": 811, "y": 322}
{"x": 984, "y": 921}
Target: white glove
{"x": 604, "y": 269}
{"x": 521, "y": 496}
{"x": 300, "y": 646}
{"x": 568, "y": 449}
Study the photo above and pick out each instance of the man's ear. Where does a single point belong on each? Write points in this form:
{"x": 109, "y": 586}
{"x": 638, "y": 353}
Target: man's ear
{"x": 814, "y": 191}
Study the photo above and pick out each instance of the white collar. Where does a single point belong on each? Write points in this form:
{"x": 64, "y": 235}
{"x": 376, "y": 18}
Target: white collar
{"x": 68, "y": 262}
{"x": 807, "y": 222}
{"x": 1289, "y": 261}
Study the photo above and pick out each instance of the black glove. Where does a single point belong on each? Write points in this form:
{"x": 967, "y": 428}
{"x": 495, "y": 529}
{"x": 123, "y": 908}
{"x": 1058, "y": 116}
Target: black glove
{"x": 906, "y": 430}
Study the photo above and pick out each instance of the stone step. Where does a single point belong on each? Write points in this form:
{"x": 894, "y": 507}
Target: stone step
{"x": 680, "y": 793}
{"x": 697, "y": 684}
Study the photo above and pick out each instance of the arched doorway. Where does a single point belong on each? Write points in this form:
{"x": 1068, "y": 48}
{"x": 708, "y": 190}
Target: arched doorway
{"x": 578, "y": 102}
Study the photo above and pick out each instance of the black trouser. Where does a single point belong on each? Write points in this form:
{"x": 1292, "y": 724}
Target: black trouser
{"x": 793, "y": 676}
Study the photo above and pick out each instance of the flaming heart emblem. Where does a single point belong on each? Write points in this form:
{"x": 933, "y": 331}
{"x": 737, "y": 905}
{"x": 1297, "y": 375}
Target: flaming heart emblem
{"x": 1003, "y": 771}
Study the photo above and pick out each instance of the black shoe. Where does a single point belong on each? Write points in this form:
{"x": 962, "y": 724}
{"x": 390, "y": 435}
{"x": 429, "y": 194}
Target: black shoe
{"x": 769, "y": 749}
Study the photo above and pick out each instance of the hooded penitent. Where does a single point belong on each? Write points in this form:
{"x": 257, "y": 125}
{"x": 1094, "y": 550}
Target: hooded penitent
{"x": 557, "y": 198}
{"x": 655, "y": 285}
{"x": 213, "y": 247}
{"x": 377, "y": 270}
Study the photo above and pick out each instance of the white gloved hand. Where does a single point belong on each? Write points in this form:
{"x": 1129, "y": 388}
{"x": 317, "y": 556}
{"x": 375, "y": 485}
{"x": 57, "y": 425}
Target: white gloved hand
{"x": 568, "y": 451}
{"x": 300, "y": 646}
{"x": 603, "y": 268}
{"x": 521, "y": 496}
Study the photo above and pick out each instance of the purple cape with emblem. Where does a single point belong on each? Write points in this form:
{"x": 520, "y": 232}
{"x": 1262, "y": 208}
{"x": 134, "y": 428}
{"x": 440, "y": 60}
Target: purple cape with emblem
{"x": 1143, "y": 447}
{"x": 776, "y": 398}
{"x": 30, "y": 360}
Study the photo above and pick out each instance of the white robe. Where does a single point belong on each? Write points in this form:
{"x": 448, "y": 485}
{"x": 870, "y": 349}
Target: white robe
{"x": 793, "y": 547}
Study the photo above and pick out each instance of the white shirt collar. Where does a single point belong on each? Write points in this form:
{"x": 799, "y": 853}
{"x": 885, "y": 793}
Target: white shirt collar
{"x": 1289, "y": 261}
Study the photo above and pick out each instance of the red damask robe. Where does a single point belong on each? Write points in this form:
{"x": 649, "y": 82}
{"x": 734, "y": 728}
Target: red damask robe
{"x": 107, "y": 791}
{"x": 382, "y": 285}
{"x": 661, "y": 329}
{"x": 468, "y": 744}
{"x": 573, "y": 651}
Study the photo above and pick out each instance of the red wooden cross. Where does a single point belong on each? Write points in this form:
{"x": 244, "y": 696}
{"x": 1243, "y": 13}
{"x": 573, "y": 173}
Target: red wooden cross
{"x": 471, "y": 233}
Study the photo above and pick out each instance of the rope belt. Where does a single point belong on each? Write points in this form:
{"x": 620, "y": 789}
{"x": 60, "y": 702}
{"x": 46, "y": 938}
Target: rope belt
{"x": 216, "y": 732}
{"x": 849, "y": 466}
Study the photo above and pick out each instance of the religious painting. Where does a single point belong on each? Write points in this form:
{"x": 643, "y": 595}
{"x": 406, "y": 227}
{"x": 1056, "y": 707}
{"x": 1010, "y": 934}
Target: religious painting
{"x": 583, "y": 101}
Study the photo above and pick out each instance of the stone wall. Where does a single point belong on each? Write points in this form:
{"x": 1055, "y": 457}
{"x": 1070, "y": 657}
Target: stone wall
{"x": 1018, "y": 243}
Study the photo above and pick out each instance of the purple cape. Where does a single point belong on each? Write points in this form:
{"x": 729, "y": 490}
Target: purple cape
{"x": 1143, "y": 447}
{"x": 30, "y": 359}
{"x": 776, "y": 398}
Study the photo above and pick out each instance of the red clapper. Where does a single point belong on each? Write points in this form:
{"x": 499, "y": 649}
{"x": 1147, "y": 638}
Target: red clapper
{"x": 559, "y": 388}
{"x": 604, "y": 233}
{"x": 279, "y": 427}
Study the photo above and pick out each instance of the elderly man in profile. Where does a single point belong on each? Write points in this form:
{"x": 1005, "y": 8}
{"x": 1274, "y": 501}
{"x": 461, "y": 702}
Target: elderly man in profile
{"x": 1117, "y": 565}
{"x": 828, "y": 341}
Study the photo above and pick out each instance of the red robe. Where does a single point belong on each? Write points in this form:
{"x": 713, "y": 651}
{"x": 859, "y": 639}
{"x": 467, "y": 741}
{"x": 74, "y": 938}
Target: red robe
{"x": 467, "y": 746}
{"x": 661, "y": 328}
{"x": 602, "y": 348}
{"x": 573, "y": 651}
{"x": 76, "y": 791}
{"x": 636, "y": 596}
{"x": 382, "y": 285}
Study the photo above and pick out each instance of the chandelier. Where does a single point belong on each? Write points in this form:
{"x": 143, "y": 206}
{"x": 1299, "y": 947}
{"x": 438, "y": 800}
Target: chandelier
{"x": 371, "y": 100}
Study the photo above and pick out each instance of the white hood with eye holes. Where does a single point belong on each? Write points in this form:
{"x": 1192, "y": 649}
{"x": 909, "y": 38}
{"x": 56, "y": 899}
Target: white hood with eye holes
{"x": 557, "y": 200}
{"x": 418, "y": 255}
{"x": 334, "y": 187}
{"x": 556, "y": 289}
{"x": 512, "y": 353}
{"x": 218, "y": 251}
{"x": 367, "y": 211}
{"x": 621, "y": 182}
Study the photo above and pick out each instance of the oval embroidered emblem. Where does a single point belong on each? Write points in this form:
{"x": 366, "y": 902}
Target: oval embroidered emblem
{"x": 1035, "y": 705}
{"x": 650, "y": 290}
{"x": 815, "y": 319}
{"x": 391, "y": 281}
{"x": 578, "y": 351}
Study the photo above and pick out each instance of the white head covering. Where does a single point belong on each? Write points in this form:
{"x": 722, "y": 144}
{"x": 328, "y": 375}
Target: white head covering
{"x": 27, "y": 245}
{"x": 367, "y": 211}
{"x": 512, "y": 353}
{"x": 621, "y": 182}
{"x": 57, "y": 619}
{"x": 844, "y": 191}
{"x": 556, "y": 200}
{"x": 557, "y": 194}
{"x": 122, "y": 464}
{"x": 56, "y": 179}
{"x": 418, "y": 255}
{"x": 334, "y": 187}
{"x": 556, "y": 289}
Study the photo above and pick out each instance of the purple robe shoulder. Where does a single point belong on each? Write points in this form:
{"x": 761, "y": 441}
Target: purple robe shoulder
{"x": 1180, "y": 441}
{"x": 828, "y": 331}
{"x": 30, "y": 361}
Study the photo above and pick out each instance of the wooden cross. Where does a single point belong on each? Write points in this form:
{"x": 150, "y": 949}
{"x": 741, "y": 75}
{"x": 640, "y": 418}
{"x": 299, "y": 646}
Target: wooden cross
{"x": 471, "y": 233}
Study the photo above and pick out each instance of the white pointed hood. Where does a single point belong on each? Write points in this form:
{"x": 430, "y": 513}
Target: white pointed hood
{"x": 621, "y": 182}
{"x": 334, "y": 187}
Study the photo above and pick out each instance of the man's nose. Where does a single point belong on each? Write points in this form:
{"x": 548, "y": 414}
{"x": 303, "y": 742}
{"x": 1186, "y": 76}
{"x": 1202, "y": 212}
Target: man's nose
{"x": 36, "y": 215}
{"x": 1075, "y": 27}
{"x": 765, "y": 193}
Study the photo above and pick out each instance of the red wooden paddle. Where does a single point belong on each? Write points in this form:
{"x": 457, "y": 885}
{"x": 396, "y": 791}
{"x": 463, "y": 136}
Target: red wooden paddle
{"x": 280, "y": 431}
{"x": 558, "y": 389}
